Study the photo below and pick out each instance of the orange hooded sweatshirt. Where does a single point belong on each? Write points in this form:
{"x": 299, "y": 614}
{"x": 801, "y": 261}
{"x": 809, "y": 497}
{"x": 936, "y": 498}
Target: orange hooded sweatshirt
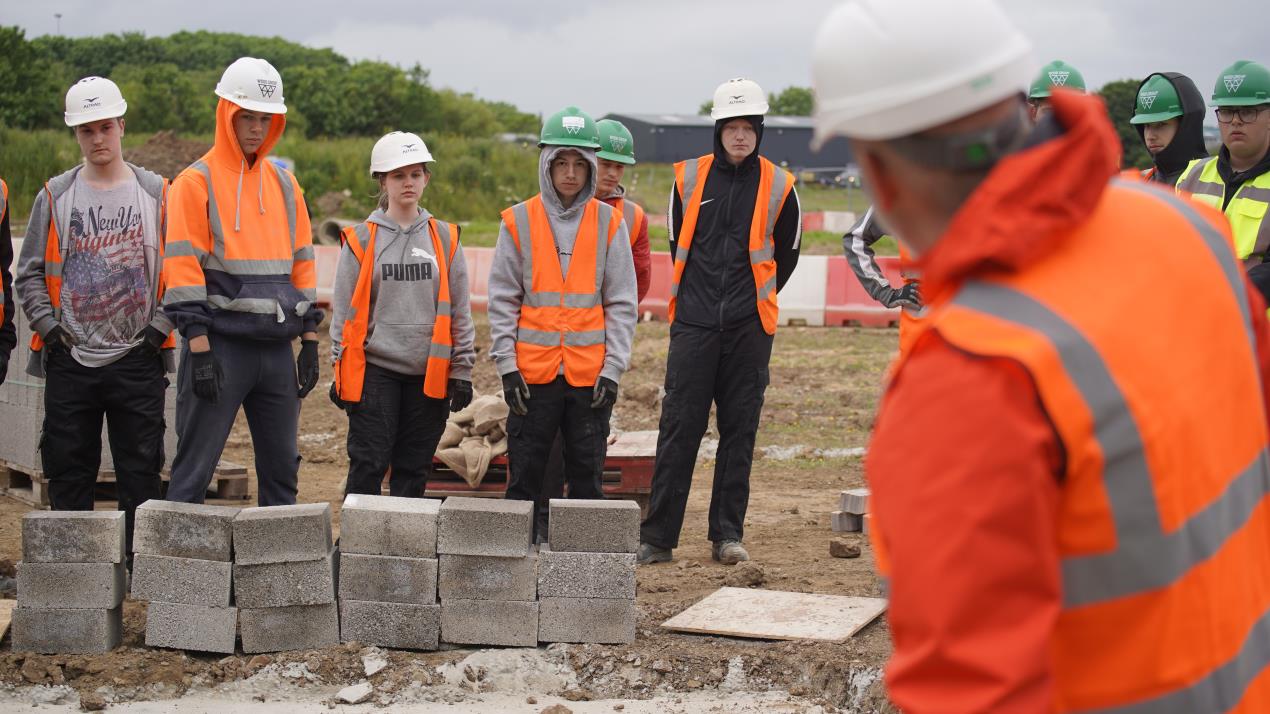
{"x": 239, "y": 245}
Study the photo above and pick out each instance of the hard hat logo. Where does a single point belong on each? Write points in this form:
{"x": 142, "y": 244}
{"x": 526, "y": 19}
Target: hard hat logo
{"x": 1233, "y": 82}
{"x": 573, "y": 125}
{"x": 617, "y": 142}
{"x": 1059, "y": 79}
{"x": 1147, "y": 99}
{"x": 267, "y": 87}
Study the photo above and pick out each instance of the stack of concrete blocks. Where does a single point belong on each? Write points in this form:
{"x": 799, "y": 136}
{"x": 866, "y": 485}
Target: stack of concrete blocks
{"x": 71, "y": 582}
{"x": 183, "y": 565}
{"x": 586, "y": 572}
{"x": 488, "y": 572}
{"x": 852, "y": 508}
{"x": 388, "y": 572}
{"x": 284, "y": 578}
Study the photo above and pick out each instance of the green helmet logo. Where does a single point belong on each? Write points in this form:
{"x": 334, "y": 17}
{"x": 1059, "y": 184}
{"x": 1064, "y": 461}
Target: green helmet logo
{"x": 1058, "y": 79}
{"x": 1146, "y": 99}
{"x": 570, "y": 127}
{"x": 573, "y": 125}
{"x": 1157, "y": 101}
{"x": 1056, "y": 74}
{"x": 1233, "y": 82}
{"x": 616, "y": 142}
{"x": 1243, "y": 84}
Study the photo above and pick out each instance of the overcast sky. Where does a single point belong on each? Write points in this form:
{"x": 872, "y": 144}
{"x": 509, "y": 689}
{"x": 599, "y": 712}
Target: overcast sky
{"x": 659, "y": 55}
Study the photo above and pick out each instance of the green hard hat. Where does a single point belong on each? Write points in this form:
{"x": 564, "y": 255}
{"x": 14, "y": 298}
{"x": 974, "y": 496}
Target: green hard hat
{"x": 570, "y": 127}
{"x": 1243, "y": 84}
{"x": 616, "y": 142}
{"x": 1157, "y": 101}
{"x": 1056, "y": 74}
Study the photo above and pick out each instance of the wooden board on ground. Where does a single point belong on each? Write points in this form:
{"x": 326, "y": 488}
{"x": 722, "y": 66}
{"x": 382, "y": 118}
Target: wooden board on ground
{"x": 634, "y": 445}
{"x": 6, "y": 615}
{"x": 229, "y": 483}
{"x": 778, "y": 615}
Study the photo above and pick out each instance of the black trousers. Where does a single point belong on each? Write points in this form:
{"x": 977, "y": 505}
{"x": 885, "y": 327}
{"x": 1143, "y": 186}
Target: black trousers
{"x": 552, "y": 483}
{"x": 395, "y": 425}
{"x": 557, "y": 408}
{"x": 128, "y": 393}
{"x": 728, "y": 368}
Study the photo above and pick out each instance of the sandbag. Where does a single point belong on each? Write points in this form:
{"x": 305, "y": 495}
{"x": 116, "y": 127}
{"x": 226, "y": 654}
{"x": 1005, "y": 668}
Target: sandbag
{"x": 452, "y": 436}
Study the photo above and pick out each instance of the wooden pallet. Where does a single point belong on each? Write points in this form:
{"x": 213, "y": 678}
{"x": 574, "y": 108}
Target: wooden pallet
{"x": 30, "y": 487}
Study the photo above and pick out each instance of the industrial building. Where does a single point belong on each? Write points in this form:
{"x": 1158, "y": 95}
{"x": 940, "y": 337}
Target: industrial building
{"x": 666, "y": 138}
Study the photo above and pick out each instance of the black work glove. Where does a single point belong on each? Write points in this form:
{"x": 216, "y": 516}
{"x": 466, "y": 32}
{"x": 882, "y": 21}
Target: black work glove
{"x": 348, "y": 407}
{"x": 460, "y": 392}
{"x": 306, "y": 367}
{"x": 206, "y": 374}
{"x": 908, "y": 296}
{"x": 516, "y": 393}
{"x": 605, "y": 393}
{"x": 59, "y": 340}
{"x": 152, "y": 338}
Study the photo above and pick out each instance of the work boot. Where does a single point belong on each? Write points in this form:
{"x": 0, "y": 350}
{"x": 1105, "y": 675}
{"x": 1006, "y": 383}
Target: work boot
{"x": 649, "y": 553}
{"x": 729, "y": 552}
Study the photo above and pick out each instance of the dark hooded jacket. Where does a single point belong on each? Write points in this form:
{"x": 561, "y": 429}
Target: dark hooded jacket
{"x": 717, "y": 288}
{"x": 1188, "y": 143}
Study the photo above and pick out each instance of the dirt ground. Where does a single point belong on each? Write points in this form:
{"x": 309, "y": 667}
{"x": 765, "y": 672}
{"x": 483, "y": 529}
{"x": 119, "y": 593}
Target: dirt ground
{"x": 825, "y": 384}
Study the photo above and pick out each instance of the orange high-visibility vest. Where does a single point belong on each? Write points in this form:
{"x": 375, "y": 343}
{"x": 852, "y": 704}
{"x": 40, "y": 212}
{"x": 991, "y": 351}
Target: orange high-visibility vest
{"x": 4, "y": 209}
{"x": 53, "y": 267}
{"x": 561, "y": 317}
{"x": 350, "y": 369}
{"x": 773, "y": 188}
{"x": 632, "y": 215}
{"x": 1164, "y": 522}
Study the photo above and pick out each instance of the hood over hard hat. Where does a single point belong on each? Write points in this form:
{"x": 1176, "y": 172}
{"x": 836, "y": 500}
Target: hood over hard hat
{"x": 1188, "y": 142}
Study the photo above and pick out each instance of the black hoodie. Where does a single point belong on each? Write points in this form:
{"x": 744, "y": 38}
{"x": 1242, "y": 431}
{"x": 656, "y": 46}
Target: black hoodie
{"x": 717, "y": 288}
{"x": 1188, "y": 143}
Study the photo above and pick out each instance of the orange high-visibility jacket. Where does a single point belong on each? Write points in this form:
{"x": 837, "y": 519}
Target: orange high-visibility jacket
{"x": 637, "y": 226}
{"x": 561, "y": 317}
{"x": 1086, "y": 527}
{"x": 773, "y": 188}
{"x": 240, "y": 252}
{"x": 350, "y": 369}
{"x": 4, "y": 209}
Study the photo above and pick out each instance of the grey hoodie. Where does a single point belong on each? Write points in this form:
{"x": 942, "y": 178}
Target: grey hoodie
{"x": 403, "y": 300}
{"x": 507, "y": 290}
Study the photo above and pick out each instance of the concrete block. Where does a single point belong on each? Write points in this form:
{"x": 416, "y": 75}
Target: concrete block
{"x": 843, "y": 522}
{"x": 73, "y": 537}
{"x": 53, "y": 630}
{"x": 390, "y": 624}
{"x": 604, "y": 575}
{"x": 185, "y": 530}
{"x": 299, "y": 582}
{"x": 594, "y": 526}
{"x": 489, "y": 622}
{"x": 275, "y": 629}
{"x": 598, "y": 620}
{"x": 72, "y": 585}
{"x": 191, "y": 627}
{"x": 184, "y": 581}
{"x": 277, "y": 534}
{"x": 484, "y": 526}
{"x": 855, "y": 501}
{"x": 386, "y": 578}
{"x": 488, "y": 577}
{"x": 388, "y": 525}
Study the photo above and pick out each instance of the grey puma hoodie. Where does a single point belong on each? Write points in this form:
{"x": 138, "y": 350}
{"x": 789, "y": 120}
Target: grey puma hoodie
{"x": 507, "y": 290}
{"x": 403, "y": 299}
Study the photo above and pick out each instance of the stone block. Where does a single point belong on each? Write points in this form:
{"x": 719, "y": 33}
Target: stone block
{"x": 602, "y": 575}
{"x": 53, "y": 630}
{"x": 191, "y": 627}
{"x": 302, "y": 627}
{"x": 843, "y": 522}
{"x": 855, "y": 501}
{"x": 73, "y": 537}
{"x": 594, "y": 526}
{"x": 388, "y": 525}
{"x": 72, "y": 585}
{"x": 386, "y": 578}
{"x": 390, "y": 624}
{"x": 597, "y": 620}
{"x": 489, "y": 622}
{"x": 277, "y": 534}
{"x": 484, "y": 526}
{"x": 185, "y": 530}
{"x": 488, "y": 577}
{"x": 298, "y": 582}
{"x": 185, "y": 581}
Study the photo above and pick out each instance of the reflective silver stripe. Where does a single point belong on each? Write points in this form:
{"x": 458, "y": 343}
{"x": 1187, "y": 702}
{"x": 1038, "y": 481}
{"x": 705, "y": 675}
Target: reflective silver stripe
{"x": 628, "y": 216}
{"x": 1254, "y": 193}
{"x": 249, "y": 267}
{"x": 674, "y": 289}
{"x": 1190, "y": 182}
{"x": 541, "y": 299}
{"x": 194, "y": 293}
{"x": 603, "y": 217}
{"x": 1220, "y": 690}
{"x": 542, "y": 338}
{"x": 443, "y": 308}
{"x": 774, "y": 201}
{"x": 690, "y": 183}
{"x": 586, "y": 338}
{"x": 52, "y": 270}
{"x": 362, "y": 231}
{"x": 1262, "y": 243}
{"x": 181, "y": 249}
{"x": 261, "y": 306}
{"x": 763, "y": 254}
{"x": 767, "y": 288}
{"x": 1206, "y": 188}
{"x": 213, "y": 214}
{"x": 555, "y": 299}
{"x": 309, "y": 294}
{"x": 439, "y": 350}
{"x": 520, "y": 216}
{"x": 304, "y": 253}
{"x": 288, "y": 198}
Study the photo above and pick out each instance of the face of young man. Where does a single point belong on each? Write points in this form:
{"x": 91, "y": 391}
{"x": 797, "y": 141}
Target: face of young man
{"x": 609, "y": 177}
{"x": 1158, "y": 135}
{"x": 251, "y": 128}
{"x": 1245, "y": 131}
{"x": 404, "y": 185}
{"x": 739, "y": 139}
{"x": 570, "y": 172}
{"x": 100, "y": 141}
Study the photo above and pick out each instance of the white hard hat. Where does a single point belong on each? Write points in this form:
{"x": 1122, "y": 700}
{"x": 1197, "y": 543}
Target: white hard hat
{"x": 397, "y": 149}
{"x": 252, "y": 84}
{"x": 738, "y": 98}
{"x": 883, "y": 69}
{"x": 93, "y": 99}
